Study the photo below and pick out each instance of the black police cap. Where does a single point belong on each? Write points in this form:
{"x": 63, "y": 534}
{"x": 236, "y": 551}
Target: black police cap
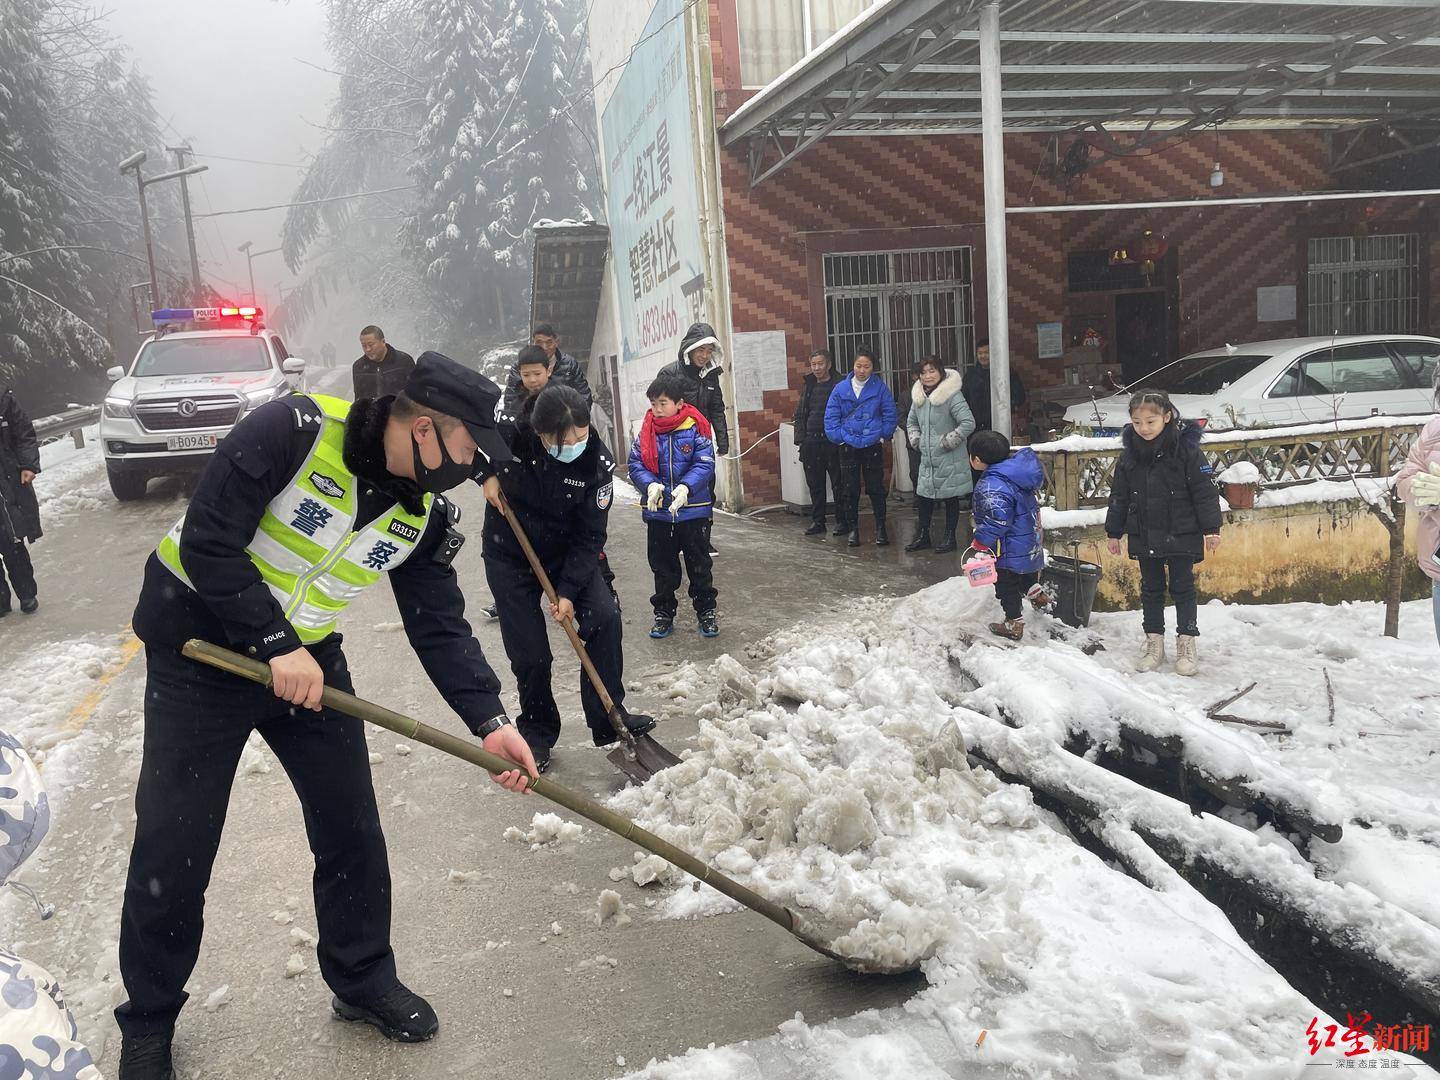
{"x": 442, "y": 384}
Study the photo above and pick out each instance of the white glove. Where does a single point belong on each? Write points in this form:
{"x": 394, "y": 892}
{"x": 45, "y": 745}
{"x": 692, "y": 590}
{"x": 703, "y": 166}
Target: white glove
{"x": 653, "y": 494}
{"x": 1425, "y": 487}
{"x": 682, "y": 496}
{"x": 951, "y": 440}
{"x": 915, "y": 441}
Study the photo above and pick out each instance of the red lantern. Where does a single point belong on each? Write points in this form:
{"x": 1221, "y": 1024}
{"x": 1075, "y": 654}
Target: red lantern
{"x": 1151, "y": 248}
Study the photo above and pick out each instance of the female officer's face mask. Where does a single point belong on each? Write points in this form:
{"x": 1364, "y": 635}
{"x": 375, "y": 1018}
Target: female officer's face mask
{"x": 448, "y": 474}
{"x": 567, "y": 454}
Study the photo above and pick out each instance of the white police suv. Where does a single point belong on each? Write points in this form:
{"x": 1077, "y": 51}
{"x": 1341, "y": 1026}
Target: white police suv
{"x": 186, "y": 388}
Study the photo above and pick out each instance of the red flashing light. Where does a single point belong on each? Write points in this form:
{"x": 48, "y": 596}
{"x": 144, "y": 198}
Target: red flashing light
{"x": 1201, "y": 421}
{"x": 249, "y": 312}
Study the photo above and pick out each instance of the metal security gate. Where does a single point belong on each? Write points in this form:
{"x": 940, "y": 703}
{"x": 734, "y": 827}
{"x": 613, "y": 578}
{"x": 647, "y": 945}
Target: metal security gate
{"x": 902, "y": 304}
{"x": 1363, "y": 284}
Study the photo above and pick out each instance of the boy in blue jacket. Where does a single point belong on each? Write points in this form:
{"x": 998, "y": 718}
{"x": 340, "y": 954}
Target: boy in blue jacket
{"x": 672, "y": 465}
{"x": 1007, "y": 524}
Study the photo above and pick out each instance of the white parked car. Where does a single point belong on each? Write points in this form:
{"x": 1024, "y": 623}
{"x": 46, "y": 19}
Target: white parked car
{"x": 1288, "y": 381}
{"x": 185, "y": 390}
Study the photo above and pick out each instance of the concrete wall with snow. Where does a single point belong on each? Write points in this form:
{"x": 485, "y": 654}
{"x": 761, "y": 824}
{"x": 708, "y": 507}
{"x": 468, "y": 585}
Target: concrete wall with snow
{"x": 1325, "y": 550}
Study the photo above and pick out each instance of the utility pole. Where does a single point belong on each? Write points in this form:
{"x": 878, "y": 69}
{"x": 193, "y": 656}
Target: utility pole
{"x": 180, "y": 152}
{"x": 250, "y": 257}
{"x": 133, "y": 163}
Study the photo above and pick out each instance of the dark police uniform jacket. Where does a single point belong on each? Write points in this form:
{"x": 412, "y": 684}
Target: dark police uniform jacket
{"x": 233, "y": 606}
{"x": 564, "y": 509}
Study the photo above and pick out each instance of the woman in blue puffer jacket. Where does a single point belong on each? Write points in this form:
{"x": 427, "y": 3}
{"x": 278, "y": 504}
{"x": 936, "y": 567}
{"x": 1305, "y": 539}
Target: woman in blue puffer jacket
{"x": 859, "y": 417}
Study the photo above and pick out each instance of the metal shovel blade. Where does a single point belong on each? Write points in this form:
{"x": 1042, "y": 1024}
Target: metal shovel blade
{"x": 642, "y": 760}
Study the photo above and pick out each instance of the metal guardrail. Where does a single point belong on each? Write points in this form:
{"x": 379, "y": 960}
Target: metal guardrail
{"x": 72, "y": 422}
{"x": 1081, "y": 476}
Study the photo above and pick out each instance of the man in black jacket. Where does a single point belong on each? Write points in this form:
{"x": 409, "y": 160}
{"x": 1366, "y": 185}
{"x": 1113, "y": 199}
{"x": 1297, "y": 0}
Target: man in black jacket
{"x": 818, "y": 454}
{"x": 975, "y": 386}
{"x": 306, "y": 502}
{"x": 564, "y": 369}
{"x": 699, "y": 374}
{"x": 382, "y": 369}
{"x": 19, "y": 508}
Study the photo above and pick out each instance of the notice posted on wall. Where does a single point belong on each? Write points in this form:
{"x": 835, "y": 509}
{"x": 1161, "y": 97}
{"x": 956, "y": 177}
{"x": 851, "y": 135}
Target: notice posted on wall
{"x": 1275, "y": 303}
{"x": 1051, "y": 341}
{"x": 759, "y": 363}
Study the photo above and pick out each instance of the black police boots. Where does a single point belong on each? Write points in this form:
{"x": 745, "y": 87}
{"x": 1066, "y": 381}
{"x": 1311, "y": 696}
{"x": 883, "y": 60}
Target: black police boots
{"x": 882, "y": 536}
{"x": 146, "y": 1057}
{"x": 401, "y": 1014}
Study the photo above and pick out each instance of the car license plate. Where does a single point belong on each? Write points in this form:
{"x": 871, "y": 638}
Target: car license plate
{"x": 190, "y": 442}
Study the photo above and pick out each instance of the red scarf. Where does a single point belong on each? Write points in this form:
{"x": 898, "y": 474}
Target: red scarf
{"x": 653, "y": 428}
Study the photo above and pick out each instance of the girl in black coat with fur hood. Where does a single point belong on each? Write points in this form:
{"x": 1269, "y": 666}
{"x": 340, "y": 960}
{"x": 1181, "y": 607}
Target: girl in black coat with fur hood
{"x": 1162, "y": 500}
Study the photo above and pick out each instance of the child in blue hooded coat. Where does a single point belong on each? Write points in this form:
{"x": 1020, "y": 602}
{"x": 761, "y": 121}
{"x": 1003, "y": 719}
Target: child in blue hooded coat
{"x": 1007, "y": 524}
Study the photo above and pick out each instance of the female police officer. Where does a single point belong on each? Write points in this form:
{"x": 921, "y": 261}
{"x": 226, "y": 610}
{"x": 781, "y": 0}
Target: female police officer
{"x": 559, "y": 485}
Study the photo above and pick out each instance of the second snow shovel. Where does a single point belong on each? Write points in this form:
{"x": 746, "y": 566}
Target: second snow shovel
{"x": 638, "y": 756}
{"x": 467, "y": 750}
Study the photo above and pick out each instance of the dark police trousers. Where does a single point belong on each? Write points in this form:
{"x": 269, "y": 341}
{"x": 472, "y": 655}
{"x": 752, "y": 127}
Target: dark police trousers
{"x": 523, "y": 630}
{"x": 197, "y": 720}
{"x": 15, "y": 561}
{"x": 665, "y": 543}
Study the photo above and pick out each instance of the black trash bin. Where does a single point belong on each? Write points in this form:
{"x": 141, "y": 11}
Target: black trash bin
{"x": 1073, "y": 583}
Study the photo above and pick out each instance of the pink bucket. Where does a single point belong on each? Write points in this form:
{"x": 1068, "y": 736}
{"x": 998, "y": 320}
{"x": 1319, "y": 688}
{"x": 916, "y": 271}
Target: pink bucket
{"x": 980, "y": 570}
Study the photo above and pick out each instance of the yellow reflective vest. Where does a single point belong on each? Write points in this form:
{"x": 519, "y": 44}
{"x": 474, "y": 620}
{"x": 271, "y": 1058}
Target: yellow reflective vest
{"x": 306, "y": 547}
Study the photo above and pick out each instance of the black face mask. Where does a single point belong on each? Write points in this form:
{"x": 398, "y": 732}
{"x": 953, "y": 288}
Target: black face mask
{"x": 448, "y": 474}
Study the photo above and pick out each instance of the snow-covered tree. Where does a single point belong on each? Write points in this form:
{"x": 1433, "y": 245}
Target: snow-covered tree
{"x": 469, "y": 100}
{"x": 450, "y": 232}
{"x": 43, "y": 300}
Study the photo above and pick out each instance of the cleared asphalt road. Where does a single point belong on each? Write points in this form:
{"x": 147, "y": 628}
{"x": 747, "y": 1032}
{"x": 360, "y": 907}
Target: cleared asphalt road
{"x": 665, "y": 985}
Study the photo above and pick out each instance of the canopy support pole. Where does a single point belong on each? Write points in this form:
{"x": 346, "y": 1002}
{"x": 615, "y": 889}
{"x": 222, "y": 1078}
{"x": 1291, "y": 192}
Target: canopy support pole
{"x": 993, "y": 144}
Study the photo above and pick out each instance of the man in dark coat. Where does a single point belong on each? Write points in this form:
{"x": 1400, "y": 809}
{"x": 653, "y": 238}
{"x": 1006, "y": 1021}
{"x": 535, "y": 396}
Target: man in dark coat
{"x": 19, "y": 508}
{"x": 819, "y": 455}
{"x": 976, "y": 387}
{"x": 699, "y": 374}
{"x": 564, "y": 369}
{"x": 382, "y": 369}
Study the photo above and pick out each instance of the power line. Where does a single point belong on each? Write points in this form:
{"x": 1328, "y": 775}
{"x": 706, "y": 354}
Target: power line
{"x": 253, "y": 161}
{"x": 310, "y": 202}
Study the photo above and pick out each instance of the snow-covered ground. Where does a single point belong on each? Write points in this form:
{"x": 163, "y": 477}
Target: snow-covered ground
{"x": 830, "y": 773}
{"x": 833, "y": 779}
{"x": 72, "y": 479}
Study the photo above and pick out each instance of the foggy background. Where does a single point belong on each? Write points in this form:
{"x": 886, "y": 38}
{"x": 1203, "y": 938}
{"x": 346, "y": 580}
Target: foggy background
{"x": 228, "y": 76}
{"x": 408, "y": 147}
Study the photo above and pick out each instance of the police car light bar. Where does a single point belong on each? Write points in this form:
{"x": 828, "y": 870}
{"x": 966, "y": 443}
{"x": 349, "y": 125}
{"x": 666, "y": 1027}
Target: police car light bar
{"x": 203, "y": 314}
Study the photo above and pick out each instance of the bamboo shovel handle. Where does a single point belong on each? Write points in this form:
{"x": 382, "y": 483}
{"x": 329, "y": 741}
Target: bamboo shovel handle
{"x": 466, "y": 750}
{"x": 568, "y": 624}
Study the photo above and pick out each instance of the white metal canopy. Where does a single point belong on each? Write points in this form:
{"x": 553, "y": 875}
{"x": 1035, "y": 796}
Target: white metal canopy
{"x": 1125, "y": 72}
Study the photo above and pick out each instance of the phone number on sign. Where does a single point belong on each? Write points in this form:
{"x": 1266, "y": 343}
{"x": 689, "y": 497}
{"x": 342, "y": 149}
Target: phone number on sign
{"x": 658, "y": 325}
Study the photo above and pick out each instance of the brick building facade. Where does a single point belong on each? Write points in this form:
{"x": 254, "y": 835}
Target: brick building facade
{"x": 858, "y": 194}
